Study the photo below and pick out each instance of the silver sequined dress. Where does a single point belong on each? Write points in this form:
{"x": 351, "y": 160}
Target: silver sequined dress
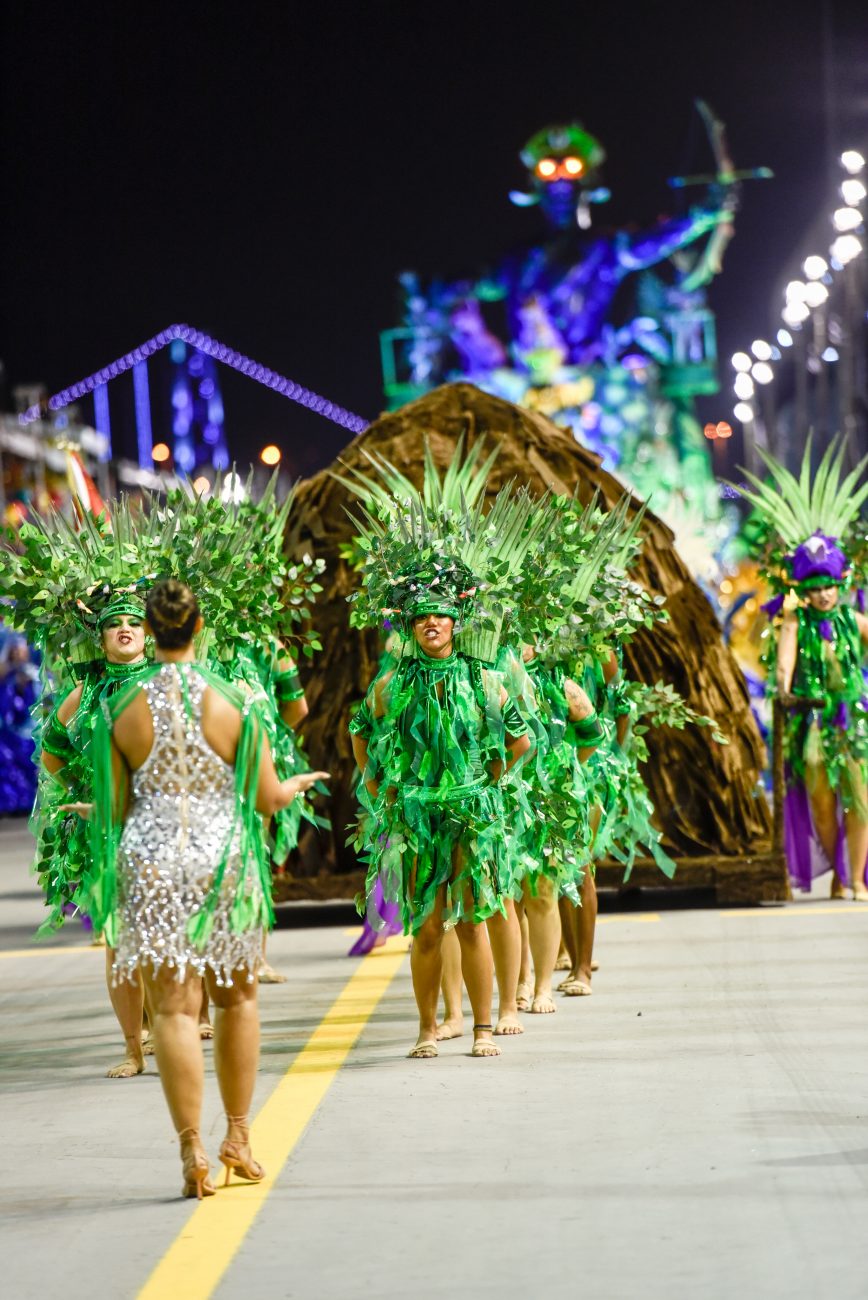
{"x": 179, "y": 822}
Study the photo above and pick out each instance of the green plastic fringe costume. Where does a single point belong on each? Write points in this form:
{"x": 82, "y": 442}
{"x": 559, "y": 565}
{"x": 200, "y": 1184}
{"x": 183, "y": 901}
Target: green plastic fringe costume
{"x": 435, "y": 730}
{"x": 63, "y": 583}
{"x": 437, "y": 819}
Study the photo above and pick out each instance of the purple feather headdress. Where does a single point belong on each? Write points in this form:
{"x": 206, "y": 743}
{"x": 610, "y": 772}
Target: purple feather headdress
{"x": 817, "y": 561}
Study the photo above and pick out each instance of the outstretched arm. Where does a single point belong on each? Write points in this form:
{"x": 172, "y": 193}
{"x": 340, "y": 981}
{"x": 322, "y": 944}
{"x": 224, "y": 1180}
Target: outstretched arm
{"x": 273, "y": 794}
{"x": 656, "y": 245}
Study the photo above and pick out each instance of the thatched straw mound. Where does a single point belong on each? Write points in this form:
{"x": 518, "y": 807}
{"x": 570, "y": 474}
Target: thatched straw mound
{"x": 705, "y": 794}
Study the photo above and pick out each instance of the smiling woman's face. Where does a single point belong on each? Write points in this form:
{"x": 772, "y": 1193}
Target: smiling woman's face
{"x": 123, "y": 639}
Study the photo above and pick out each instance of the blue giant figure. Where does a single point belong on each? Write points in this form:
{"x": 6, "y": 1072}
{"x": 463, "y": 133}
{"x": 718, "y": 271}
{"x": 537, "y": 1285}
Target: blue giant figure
{"x": 621, "y": 368}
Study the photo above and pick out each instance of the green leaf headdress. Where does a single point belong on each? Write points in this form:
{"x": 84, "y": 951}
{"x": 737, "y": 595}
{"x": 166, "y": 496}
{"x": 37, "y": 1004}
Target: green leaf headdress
{"x": 231, "y": 553}
{"x": 592, "y": 601}
{"x": 436, "y": 549}
{"x": 807, "y": 523}
{"x": 63, "y": 583}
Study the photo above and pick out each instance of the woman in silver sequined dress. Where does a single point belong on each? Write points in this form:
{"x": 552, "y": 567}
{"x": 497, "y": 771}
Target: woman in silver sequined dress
{"x": 191, "y": 890}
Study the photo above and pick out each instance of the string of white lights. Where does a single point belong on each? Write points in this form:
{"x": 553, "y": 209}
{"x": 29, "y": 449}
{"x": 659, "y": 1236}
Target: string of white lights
{"x": 756, "y": 369}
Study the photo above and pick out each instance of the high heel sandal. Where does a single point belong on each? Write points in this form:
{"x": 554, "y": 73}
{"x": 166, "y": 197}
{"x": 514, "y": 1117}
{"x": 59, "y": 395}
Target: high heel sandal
{"x": 232, "y": 1149}
{"x": 195, "y": 1166}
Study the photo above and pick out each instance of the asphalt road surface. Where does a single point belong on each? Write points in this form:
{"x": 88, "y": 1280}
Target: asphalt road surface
{"x": 697, "y": 1128}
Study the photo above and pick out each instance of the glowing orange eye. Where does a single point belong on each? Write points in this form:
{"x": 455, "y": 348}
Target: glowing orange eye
{"x": 546, "y": 167}
{"x": 573, "y": 166}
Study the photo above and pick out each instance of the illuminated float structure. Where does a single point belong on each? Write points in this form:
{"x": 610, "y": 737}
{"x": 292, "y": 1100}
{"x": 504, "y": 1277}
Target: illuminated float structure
{"x": 608, "y": 333}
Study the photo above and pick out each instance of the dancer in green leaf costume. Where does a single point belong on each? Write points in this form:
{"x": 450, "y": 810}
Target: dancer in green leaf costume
{"x": 436, "y": 734}
{"x": 809, "y": 540}
{"x": 182, "y": 777}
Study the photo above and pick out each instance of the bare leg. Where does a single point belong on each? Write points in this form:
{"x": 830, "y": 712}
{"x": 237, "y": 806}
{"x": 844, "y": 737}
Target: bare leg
{"x": 544, "y": 925}
{"x": 476, "y": 962}
{"x": 267, "y": 974}
{"x": 426, "y": 966}
{"x": 568, "y": 935}
{"x": 525, "y": 974}
{"x": 236, "y": 1060}
{"x": 175, "y": 1008}
{"x": 505, "y": 935}
{"x": 824, "y": 814}
{"x": 452, "y": 984}
{"x": 857, "y": 842}
{"x": 205, "y": 1028}
{"x": 578, "y": 983}
{"x": 128, "y": 1000}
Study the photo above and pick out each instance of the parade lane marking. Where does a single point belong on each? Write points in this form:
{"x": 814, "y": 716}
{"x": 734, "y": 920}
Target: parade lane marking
{"x": 355, "y": 931}
{"x": 50, "y": 952}
{"x": 800, "y": 909}
{"x": 197, "y": 1259}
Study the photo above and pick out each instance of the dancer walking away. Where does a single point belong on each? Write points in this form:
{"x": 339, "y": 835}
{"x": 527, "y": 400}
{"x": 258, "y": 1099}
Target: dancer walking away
{"x": 183, "y": 770}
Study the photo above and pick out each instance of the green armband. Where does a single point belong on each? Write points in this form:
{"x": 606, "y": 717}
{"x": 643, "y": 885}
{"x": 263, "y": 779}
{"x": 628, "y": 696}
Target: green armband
{"x": 513, "y": 721}
{"x": 288, "y": 687}
{"x": 56, "y": 741}
{"x": 587, "y": 731}
{"x": 362, "y": 721}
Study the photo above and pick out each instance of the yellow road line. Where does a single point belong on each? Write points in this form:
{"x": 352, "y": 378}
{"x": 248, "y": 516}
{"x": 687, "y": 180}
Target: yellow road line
{"x": 204, "y": 1248}
{"x": 51, "y": 952}
{"x": 626, "y": 917}
{"x": 800, "y": 909}
{"x": 609, "y": 919}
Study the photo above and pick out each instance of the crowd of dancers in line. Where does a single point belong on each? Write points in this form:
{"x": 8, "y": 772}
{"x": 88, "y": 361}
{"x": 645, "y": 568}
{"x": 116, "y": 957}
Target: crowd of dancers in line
{"x": 497, "y": 749}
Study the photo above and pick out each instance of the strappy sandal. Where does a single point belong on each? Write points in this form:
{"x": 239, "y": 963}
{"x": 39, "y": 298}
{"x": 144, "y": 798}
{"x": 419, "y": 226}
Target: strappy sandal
{"x": 195, "y": 1165}
{"x": 232, "y": 1153}
{"x": 424, "y": 1051}
{"x": 485, "y": 1047}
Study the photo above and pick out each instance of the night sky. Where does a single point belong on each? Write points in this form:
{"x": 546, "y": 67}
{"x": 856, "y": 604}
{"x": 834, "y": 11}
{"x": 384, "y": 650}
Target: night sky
{"x": 265, "y": 171}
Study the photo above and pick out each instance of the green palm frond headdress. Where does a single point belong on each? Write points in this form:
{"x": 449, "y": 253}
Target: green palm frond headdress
{"x": 437, "y": 550}
{"x": 592, "y": 601}
{"x": 807, "y": 523}
{"x": 63, "y": 583}
{"x": 231, "y": 553}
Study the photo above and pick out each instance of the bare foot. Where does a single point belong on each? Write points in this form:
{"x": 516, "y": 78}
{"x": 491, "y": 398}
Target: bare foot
{"x": 482, "y": 1043}
{"x": 268, "y": 975}
{"x": 452, "y": 1028}
{"x": 206, "y": 1030}
{"x": 860, "y": 895}
{"x": 576, "y": 988}
{"x": 563, "y": 961}
{"x": 148, "y": 1045}
{"x": 543, "y": 1003}
{"x": 595, "y": 965}
{"x": 425, "y": 1049}
{"x": 837, "y": 890}
{"x": 524, "y": 996}
{"x": 508, "y": 1023}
